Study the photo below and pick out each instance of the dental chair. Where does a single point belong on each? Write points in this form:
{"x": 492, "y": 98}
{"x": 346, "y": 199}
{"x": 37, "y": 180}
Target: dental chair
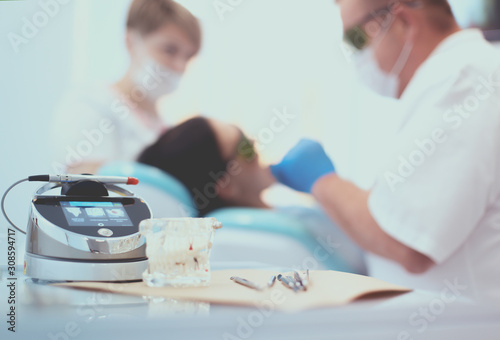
{"x": 248, "y": 235}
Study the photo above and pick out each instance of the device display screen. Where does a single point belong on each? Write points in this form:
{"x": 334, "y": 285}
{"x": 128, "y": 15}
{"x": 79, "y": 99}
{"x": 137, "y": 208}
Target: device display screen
{"x": 95, "y": 214}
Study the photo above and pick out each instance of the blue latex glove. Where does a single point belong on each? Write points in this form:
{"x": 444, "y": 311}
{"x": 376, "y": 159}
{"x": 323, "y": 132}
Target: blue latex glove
{"x": 303, "y": 166}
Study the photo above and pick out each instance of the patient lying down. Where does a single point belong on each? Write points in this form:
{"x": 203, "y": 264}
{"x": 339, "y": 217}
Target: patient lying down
{"x": 221, "y": 168}
{"x": 216, "y": 162}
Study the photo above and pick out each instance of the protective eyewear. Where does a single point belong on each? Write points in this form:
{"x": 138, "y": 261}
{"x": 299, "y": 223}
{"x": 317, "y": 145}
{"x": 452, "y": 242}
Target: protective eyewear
{"x": 379, "y": 20}
{"x": 245, "y": 148}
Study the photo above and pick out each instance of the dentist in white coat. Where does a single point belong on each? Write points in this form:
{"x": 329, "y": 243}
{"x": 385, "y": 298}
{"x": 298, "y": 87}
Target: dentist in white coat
{"x": 432, "y": 219}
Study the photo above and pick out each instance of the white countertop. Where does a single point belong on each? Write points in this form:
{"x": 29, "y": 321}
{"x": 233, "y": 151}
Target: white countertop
{"x": 47, "y": 312}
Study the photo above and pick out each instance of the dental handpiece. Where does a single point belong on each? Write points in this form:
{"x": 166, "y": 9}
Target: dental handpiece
{"x": 76, "y": 178}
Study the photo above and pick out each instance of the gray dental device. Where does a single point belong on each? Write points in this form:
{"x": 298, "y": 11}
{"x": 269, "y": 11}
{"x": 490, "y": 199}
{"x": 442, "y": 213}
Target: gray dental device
{"x": 84, "y": 234}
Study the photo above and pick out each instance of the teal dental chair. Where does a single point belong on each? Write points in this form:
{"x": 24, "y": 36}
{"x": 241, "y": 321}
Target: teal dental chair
{"x": 248, "y": 235}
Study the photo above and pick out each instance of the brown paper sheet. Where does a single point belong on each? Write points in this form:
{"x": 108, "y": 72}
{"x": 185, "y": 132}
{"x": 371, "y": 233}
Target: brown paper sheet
{"x": 326, "y": 289}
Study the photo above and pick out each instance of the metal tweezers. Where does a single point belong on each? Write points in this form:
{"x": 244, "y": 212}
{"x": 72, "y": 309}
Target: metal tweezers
{"x": 295, "y": 283}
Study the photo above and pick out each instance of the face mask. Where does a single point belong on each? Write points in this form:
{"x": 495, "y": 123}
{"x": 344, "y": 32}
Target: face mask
{"x": 370, "y": 74}
{"x": 156, "y": 80}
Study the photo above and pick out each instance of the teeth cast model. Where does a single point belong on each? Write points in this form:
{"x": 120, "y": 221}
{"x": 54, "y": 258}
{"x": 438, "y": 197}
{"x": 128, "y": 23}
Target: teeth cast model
{"x": 178, "y": 250}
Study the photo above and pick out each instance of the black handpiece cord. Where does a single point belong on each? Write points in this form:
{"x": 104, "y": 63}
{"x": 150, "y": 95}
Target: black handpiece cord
{"x": 3, "y": 204}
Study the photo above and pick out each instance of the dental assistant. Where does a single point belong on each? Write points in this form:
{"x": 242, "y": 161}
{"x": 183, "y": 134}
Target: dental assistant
{"x": 432, "y": 219}
{"x": 117, "y": 122}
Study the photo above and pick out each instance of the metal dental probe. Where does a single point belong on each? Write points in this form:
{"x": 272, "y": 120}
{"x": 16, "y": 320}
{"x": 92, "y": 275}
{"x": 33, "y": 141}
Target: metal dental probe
{"x": 246, "y": 283}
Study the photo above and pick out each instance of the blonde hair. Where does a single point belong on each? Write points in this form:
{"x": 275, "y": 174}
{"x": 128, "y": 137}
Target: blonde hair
{"x": 146, "y": 16}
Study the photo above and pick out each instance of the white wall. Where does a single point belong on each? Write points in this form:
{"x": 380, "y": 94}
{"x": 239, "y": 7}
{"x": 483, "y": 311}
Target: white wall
{"x": 32, "y": 78}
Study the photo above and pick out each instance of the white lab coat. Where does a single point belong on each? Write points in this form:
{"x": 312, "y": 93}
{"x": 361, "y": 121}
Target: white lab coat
{"x": 439, "y": 192}
{"x": 96, "y": 124}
